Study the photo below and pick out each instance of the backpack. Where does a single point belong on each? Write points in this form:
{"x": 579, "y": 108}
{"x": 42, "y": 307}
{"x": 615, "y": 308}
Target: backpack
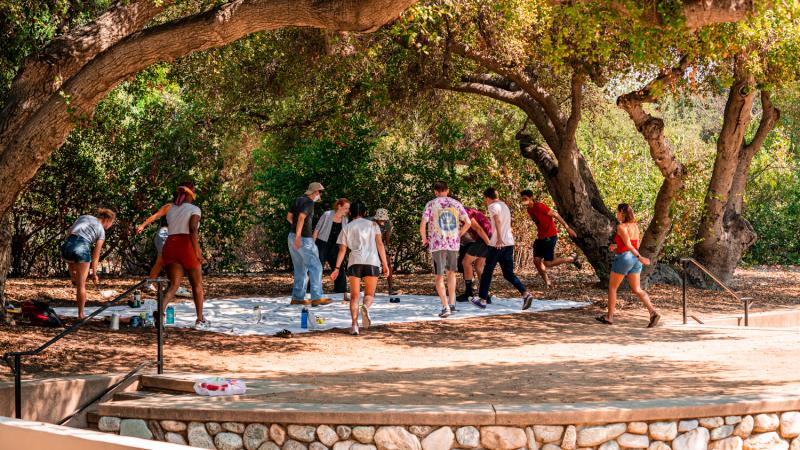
{"x": 41, "y": 314}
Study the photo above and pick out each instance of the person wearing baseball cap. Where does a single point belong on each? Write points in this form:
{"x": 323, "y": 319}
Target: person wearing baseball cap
{"x": 304, "y": 253}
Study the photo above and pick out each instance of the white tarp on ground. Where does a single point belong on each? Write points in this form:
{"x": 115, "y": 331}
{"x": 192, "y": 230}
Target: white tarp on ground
{"x": 236, "y": 316}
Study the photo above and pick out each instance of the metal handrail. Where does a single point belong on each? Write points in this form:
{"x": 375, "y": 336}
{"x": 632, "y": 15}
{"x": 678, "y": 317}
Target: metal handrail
{"x": 746, "y": 301}
{"x": 16, "y": 366}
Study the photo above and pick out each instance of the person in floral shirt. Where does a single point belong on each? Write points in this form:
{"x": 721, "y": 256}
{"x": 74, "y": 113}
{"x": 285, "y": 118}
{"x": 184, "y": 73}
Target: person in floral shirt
{"x": 443, "y": 223}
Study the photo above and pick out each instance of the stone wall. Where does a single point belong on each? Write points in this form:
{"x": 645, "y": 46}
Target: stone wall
{"x": 774, "y": 431}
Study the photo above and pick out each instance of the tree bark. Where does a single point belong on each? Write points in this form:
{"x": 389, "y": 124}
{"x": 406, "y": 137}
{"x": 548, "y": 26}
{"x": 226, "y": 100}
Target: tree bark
{"x": 673, "y": 171}
{"x": 724, "y": 235}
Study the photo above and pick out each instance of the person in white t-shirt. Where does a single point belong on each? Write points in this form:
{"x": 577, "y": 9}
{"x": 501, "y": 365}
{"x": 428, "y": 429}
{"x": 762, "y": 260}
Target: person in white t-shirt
{"x": 501, "y": 251}
{"x": 367, "y": 257}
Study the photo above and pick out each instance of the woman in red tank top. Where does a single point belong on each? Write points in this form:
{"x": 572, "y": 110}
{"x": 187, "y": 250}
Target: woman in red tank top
{"x": 627, "y": 264}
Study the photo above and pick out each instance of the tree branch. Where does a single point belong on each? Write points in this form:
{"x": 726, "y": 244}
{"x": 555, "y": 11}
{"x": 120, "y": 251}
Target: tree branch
{"x": 576, "y": 105}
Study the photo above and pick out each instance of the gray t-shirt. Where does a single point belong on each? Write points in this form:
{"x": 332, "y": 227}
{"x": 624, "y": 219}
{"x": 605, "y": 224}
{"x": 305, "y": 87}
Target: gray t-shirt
{"x": 359, "y": 237}
{"x": 89, "y": 228}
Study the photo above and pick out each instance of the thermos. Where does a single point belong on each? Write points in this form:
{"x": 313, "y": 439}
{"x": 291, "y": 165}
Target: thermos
{"x": 170, "y": 315}
{"x": 114, "y": 321}
{"x": 304, "y": 319}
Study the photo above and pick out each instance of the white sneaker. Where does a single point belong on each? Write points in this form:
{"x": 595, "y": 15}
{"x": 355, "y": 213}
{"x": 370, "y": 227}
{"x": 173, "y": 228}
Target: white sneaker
{"x": 202, "y": 324}
{"x": 183, "y": 292}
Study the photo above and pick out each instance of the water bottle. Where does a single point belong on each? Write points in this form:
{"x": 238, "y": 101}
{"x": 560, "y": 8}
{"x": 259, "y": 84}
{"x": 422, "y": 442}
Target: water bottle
{"x": 304, "y": 319}
{"x": 114, "y": 321}
{"x": 257, "y": 313}
{"x": 312, "y": 320}
{"x": 170, "y": 315}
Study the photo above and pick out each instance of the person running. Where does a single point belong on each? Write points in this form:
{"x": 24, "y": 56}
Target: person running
{"x": 367, "y": 257}
{"x": 158, "y": 241}
{"x": 381, "y": 217}
{"x": 325, "y": 235}
{"x": 627, "y": 264}
{"x": 77, "y": 250}
{"x": 181, "y": 253}
{"x": 443, "y": 238}
{"x": 479, "y": 236}
{"x": 303, "y": 251}
{"x": 501, "y": 251}
{"x": 544, "y": 247}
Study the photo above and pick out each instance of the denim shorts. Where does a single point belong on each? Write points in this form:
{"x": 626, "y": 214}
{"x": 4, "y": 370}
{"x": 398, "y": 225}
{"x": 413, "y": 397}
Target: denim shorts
{"x": 626, "y": 264}
{"x": 76, "y": 250}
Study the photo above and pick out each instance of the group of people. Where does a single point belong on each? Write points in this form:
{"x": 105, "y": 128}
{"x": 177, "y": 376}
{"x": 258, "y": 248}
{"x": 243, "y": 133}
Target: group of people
{"x": 459, "y": 239}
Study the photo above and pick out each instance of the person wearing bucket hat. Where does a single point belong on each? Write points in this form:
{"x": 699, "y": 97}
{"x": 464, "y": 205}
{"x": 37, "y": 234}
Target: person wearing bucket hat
{"x": 303, "y": 250}
{"x": 381, "y": 217}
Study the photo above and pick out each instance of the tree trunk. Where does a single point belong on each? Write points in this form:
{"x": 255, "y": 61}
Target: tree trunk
{"x": 724, "y": 235}
{"x": 6, "y": 231}
{"x": 652, "y": 129}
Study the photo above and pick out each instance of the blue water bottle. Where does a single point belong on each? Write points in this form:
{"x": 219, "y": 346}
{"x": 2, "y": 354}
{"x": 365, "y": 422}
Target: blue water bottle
{"x": 304, "y": 319}
{"x": 170, "y": 315}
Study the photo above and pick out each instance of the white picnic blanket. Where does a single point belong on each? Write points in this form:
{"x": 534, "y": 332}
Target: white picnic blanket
{"x": 237, "y": 317}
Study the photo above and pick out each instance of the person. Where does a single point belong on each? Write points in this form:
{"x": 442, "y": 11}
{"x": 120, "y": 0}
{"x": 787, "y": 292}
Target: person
{"x": 367, "y": 257}
{"x": 182, "y": 254}
{"x": 477, "y": 238}
{"x": 77, "y": 250}
{"x": 303, "y": 251}
{"x": 158, "y": 241}
{"x": 381, "y": 217}
{"x": 501, "y": 251}
{"x": 627, "y": 265}
{"x": 441, "y": 232}
{"x": 325, "y": 235}
{"x": 544, "y": 247}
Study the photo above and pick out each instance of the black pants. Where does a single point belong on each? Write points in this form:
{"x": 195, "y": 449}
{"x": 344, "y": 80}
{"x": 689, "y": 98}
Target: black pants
{"x": 328, "y": 253}
{"x": 505, "y": 257}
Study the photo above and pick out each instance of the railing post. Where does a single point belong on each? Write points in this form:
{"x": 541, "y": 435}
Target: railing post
{"x": 746, "y": 311}
{"x": 683, "y": 287}
{"x": 160, "y": 330}
{"x": 17, "y": 387}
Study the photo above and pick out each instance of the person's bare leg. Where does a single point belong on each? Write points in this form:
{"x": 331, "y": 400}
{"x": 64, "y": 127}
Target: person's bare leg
{"x": 467, "y": 262}
{"x": 452, "y": 279}
{"x": 559, "y": 261}
{"x": 479, "y": 263}
{"x": 634, "y": 281}
{"x": 542, "y": 269}
{"x": 81, "y": 273}
{"x": 354, "y": 298}
{"x": 198, "y": 294}
{"x": 157, "y": 266}
{"x": 370, "y": 285}
{"x": 175, "y": 275}
{"x": 440, "y": 290}
{"x": 613, "y": 285}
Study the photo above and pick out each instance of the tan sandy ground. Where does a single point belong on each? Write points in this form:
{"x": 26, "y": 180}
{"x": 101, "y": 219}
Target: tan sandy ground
{"x": 562, "y": 356}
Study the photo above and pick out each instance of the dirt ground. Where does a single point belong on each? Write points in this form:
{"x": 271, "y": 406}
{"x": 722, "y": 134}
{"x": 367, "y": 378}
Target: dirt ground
{"x": 562, "y": 356}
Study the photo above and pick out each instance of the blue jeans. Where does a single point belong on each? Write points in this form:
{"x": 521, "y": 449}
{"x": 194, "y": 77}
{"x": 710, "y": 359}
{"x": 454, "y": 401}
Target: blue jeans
{"x": 306, "y": 266}
{"x": 505, "y": 257}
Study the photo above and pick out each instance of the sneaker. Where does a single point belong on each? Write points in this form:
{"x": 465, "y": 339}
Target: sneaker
{"x": 445, "y": 313}
{"x": 296, "y": 301}
{"x": 576, "y": 261}
{"x": 321, "y": 301}
{"x": 462, "y": 297}
{"x": 366, "y": 320}
{"x": 453, "y": 309}
{"x": 202, "y": 324}
{"x": 527, "y": 301}
{"x": 478, "y": 302}
{"x": 183, "y": 292}
{"x": 354, "y": 331}
{"x": 654, "y": 320}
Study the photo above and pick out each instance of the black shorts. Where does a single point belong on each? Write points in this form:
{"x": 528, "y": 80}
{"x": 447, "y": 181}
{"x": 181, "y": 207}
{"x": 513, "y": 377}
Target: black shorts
{"x": 478, "y": 249}
{"x": 363, "y": 270}
{"x": 545, "y": 248}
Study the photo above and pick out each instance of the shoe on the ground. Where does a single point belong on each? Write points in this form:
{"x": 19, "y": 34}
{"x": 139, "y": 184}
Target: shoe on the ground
{"x": 489, "y": 299}
{"x": 354, "y": 331}
{"x": 576, "y": 261}
{"x": 478, "y": 302}
{"x": 462, "y": 297}
{"x": 445, "y": 313}
{"x": 297, "y": 301}
{"x": 152, "y": 287}
{"x": 453, "y": 309}
{"x": 527, "y": 301}
{"x": 202, "y": 324}
{"x": 654, "y": 320}
{"x": 321, "y": 301}
{"x": 366, "y": 320}
{"x": 183, "y": 292}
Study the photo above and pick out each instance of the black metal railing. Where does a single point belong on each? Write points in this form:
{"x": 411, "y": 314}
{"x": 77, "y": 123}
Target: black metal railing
{"x": 16, "y": 365}
{"x": 746, "y": 301}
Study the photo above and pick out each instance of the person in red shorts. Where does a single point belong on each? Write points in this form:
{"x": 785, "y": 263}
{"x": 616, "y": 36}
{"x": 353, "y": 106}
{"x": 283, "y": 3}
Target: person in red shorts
{"x": 544, "y": 247}
{"x": 182, "y": 249}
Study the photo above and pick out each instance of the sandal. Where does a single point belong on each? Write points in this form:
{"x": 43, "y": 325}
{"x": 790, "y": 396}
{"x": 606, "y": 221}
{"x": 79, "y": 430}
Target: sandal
{"x": 284, "y": 333}
{"x": 604, "y": 320}
{"x": 654, "y": 318}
